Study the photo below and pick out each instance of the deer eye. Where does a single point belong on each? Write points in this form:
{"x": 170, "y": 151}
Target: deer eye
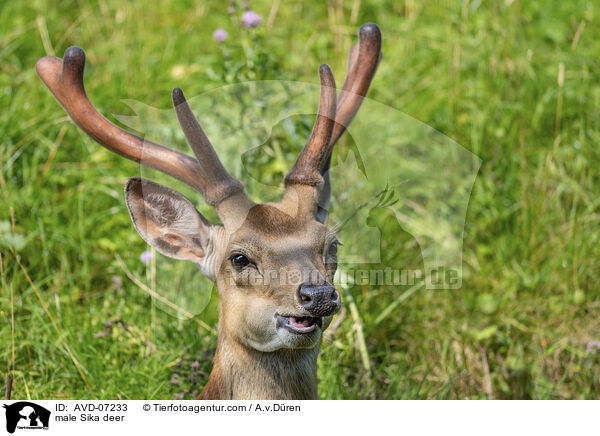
{"x": 330, "y": 256}
{"x": 239, "y": 261}
{"x": 333, "y": 248}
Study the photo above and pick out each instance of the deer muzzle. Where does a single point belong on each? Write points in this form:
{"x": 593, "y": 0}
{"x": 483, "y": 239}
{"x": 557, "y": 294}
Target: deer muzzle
{"x": 319, "y": 301}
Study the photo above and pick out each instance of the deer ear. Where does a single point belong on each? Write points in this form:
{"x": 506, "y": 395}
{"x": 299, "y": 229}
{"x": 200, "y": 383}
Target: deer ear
{"x": 168, "y": 221}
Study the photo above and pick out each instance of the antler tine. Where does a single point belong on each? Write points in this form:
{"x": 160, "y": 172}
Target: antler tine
{"x": 363, "y": 60}
{"x": 64, "y": 78}
{"x": 362, "y": 63}
{"x": 216, "y": 183}
{"x": 307, "y": 169}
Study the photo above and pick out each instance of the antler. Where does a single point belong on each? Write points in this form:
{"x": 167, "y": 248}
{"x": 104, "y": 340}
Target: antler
{"x": 312, "y": 165}
{"x": 210, "y": 165}
{"x": 64, "y": 78}
{"x": 362, "y": 64}
{"x": 307, "y": 169}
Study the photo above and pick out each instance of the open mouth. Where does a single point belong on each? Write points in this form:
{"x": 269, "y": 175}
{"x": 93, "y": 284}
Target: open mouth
{"x": 299, "y": 324}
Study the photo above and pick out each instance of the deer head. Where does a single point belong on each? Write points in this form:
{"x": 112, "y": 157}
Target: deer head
{"x": 273, "y": 263}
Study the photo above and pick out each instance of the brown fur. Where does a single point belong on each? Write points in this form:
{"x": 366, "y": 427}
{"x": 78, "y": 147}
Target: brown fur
{"x": 242, "y": 373}
{"x": 267, "y": 219}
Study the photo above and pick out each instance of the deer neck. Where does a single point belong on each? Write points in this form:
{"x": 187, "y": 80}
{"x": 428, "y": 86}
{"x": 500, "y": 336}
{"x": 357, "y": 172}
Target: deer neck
{"x": 241, "y": 373}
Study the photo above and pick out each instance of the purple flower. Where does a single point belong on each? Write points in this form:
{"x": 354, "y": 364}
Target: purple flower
{"x": 251, "y": 19}
{"x": 592, "y": 346}
{"x": 146, "y": 256}
{"x": 220, "y": 35}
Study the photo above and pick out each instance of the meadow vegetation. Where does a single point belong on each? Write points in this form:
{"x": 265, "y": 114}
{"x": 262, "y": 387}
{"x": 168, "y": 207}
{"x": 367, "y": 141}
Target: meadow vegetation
{"x": 516, "y": 83}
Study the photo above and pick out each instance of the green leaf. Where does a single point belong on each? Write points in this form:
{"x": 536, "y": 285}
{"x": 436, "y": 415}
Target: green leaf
{"x": 487, "y": 303}
{"x": 8, "y": 239}
{"x": 486, "y": 333}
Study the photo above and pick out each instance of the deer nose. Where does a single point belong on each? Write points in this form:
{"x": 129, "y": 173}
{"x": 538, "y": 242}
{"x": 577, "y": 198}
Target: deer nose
{"x": 319, "y": 300}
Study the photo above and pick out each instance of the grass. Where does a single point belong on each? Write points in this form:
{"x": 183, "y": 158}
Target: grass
{"x": 516, "y": 83}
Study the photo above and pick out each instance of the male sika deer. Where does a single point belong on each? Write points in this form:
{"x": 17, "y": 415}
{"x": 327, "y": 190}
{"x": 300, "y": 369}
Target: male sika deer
{"x": 270, "y": 326}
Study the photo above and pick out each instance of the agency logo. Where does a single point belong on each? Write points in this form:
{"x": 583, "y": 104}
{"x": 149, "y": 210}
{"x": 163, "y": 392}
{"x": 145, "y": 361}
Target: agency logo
{"x": 26, "y": 415}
